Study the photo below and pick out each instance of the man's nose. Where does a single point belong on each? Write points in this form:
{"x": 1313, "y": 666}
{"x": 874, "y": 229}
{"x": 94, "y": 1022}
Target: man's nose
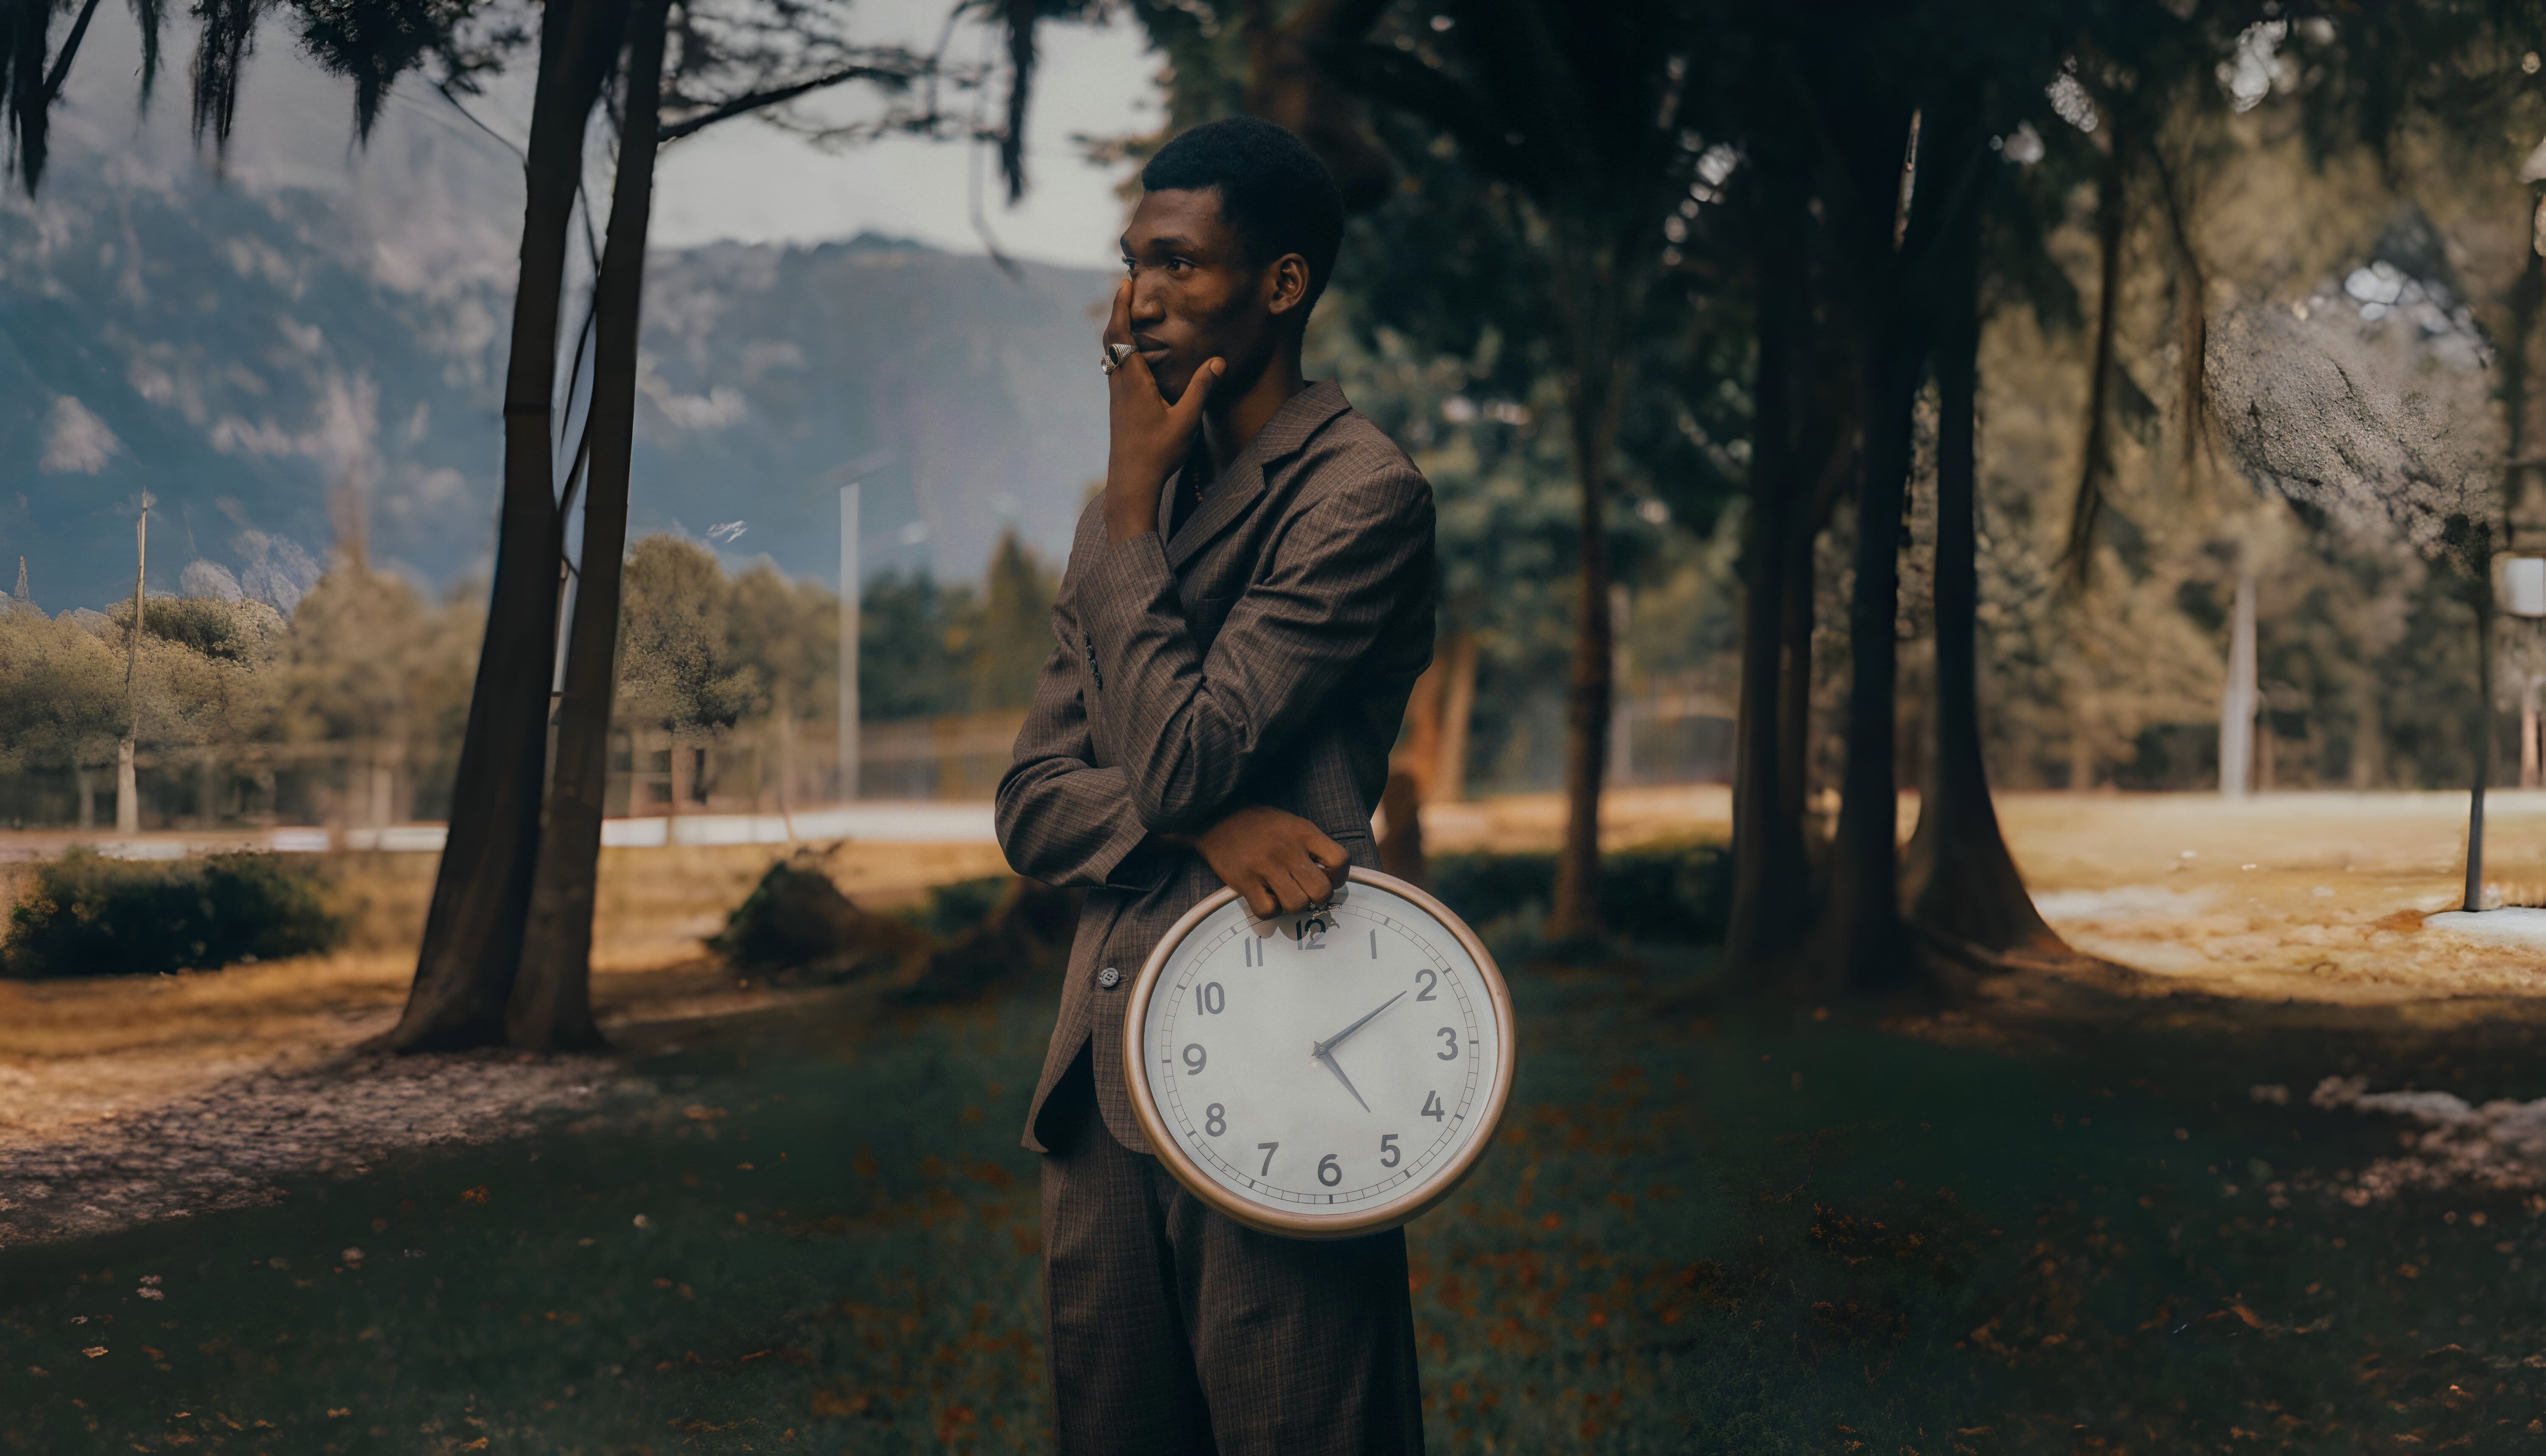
{"x": 1148, "y": 305}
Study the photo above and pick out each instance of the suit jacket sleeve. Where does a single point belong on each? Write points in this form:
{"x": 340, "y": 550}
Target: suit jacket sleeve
{"x": 1191, "y": 725}
{"x": 1061, "y": 819}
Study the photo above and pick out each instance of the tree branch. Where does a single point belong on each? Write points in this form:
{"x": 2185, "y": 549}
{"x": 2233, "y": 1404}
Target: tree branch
{"x": 760, "y": 100}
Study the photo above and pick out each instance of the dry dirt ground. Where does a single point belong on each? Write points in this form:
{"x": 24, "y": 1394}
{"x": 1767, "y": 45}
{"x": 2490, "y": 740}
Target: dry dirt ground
{"x": 127, "y": 1100}
{"x": 123, "y": 1100}
{"x": 2311, "y": 896}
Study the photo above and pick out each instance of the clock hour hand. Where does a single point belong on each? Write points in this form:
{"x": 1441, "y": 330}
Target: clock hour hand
{"x": 1337, "y": 1040}
{"x": 1337, "y": 1068}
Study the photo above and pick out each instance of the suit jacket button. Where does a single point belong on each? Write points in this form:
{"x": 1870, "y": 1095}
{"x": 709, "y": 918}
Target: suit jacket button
{"x": 1108, "y": 978}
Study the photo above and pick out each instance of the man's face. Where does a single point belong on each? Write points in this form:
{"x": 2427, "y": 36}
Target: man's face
{"x": 1194, "y": 295}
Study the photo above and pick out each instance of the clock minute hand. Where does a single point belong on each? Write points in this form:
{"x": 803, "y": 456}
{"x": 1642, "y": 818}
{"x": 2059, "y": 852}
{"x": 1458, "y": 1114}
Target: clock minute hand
{"x": 1337, "y": 1040}
{"x": 1337, "y": 1068}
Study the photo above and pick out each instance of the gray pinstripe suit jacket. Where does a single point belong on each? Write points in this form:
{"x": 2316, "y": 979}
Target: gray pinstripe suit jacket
{"x": 1261, "y": 655}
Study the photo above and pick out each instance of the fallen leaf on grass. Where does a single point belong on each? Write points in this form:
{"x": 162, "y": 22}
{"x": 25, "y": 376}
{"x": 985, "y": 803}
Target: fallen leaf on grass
{"x": 2251, "y": 1319}
{"x": 93, "y": 1351}
{"x": 478, "y": 1194}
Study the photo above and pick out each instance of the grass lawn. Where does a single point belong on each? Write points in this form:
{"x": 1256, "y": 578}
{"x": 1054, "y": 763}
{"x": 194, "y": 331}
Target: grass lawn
{"x": 1708, "y": 1228}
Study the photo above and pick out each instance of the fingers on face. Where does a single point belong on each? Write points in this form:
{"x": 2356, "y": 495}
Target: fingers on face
{"x": 1117, "y": 325}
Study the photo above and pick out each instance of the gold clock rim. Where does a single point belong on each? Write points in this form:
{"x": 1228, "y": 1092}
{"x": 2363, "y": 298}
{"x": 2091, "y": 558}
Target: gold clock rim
{"x": 1180, "y": 1165}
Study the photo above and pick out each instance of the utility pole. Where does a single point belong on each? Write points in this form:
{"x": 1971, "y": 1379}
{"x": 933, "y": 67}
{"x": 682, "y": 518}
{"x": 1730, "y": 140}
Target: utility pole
{"x": 850, "y": 588}
{"x": 127, "y": 790}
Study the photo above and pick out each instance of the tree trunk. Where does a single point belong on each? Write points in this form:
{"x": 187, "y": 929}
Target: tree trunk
{"x": 551, "y": 1001}
{"x": 1962, "y": 883}
{"x": 1770, "y": 877}
{"x": 2096, "y": 473}
{"x": 481, "y": 894}
{"x": 2368, "y": 742}
{"x": 1576, "y": 914}
{"x": 2480, "y": 595}
{"x": 2528, "y": 775}
{"x": 1449, "y": 777}
{"x": 1866, "y": 889}
{"x": 1418, "y": 747}
{"x": 87, "y": 795}
{"x": 783, "y": 721}
{"x": 1400, "y": 846}
{"x": 127, "y": 791}
{"x": 2237, "y": 702}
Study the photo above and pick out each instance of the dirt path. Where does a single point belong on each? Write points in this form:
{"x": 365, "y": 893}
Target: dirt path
{"x": 124, "y": 1100}
{"x": 128, "y": 1100}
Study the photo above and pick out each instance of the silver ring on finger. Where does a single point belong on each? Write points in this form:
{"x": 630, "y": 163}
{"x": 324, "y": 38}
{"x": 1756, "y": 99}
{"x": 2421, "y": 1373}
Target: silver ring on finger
{"x": 1115, "y": 357}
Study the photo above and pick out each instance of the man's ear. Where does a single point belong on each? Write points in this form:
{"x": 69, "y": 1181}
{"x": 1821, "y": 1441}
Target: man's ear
{"x": 1286, "y": 285}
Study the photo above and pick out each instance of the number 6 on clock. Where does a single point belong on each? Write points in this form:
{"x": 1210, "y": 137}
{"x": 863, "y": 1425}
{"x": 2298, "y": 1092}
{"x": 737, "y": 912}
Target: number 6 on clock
{"x": 1328, "y": 1053}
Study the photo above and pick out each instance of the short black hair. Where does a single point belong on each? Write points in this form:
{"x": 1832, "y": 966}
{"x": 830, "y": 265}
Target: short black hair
{"x": 1276, "y": 194}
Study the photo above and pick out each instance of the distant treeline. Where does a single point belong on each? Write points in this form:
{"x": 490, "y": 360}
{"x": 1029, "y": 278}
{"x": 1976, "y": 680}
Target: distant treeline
{"x": 352, "y": 706}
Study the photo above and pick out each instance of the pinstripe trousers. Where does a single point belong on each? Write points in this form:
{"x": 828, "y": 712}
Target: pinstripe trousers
{"x": 1176, "y": 1331}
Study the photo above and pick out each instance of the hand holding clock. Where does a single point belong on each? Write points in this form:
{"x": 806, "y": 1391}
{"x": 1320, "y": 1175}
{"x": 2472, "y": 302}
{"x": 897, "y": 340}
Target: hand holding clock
{"x": 1278, "y": 862}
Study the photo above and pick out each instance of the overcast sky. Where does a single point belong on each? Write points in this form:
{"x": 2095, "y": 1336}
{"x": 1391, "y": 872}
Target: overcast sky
{"x": 743, "y": 180}
{"x": 752, "y": 183}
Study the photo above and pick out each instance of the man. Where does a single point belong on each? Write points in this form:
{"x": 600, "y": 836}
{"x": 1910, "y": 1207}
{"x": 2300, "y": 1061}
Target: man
{"x": 1245, "y": 609}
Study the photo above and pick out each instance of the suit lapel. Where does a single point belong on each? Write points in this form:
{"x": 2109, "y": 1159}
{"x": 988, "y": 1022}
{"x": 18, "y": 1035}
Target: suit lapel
{"x": 1235, "y": 493}
{"x": 1226, "y": 500}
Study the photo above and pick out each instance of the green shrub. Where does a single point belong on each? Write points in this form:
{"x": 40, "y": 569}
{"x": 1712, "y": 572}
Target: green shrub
{"x": 86, "y": 914}
{"x": 1665, "y": 894}
{"x": 797, "y": 925}
{"x": 954, "y": 908}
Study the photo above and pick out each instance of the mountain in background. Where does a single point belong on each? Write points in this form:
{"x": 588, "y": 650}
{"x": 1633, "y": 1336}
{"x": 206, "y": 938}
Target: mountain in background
{"x": 312, "y": 340}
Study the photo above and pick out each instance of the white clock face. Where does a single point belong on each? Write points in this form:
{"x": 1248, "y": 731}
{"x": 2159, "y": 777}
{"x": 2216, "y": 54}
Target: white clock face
{"x": 1330, "y": 1064}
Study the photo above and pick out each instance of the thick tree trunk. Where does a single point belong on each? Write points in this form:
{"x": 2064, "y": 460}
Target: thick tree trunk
{"x": 1449, "y": 779}
{"x": 481, "y": 894}
{"x": 1770, "y": 877}
{"x": 1962, "y": 883}
{"x": 1576, "y": 914}
{"x": 551, "y": 1001}
{"x": 1401, "y": 848}
{"x": 1865, "y": 889}
{"x": 2096, "y": 473}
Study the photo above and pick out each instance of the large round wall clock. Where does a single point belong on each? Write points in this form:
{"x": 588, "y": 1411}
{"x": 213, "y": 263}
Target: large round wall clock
{"x": 1324, "y": 1075}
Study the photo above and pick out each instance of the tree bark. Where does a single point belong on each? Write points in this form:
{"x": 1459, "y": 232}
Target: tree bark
{"x": 2096, "y": 473}
{"x": 1449, "y": 777}
{"x": 1576, "y": 914}
{"x": 1769, "y": 876}
{"x": 2480, "y": 596}
{"x": 1866, "y": 888}
{"x": 1962, "y": 885}
{"x": 482, "y": 892}
{"x": 552, "y": 1001}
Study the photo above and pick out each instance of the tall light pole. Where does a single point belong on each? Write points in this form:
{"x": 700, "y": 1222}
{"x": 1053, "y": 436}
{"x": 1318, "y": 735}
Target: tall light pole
{"x": 850, "y": 588}
{"x": 127, "y": 788}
